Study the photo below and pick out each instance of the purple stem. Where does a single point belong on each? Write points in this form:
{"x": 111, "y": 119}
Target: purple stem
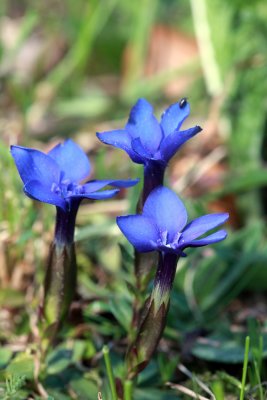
{"x": 153, "y": 177}
{"x": 65, "y": 223}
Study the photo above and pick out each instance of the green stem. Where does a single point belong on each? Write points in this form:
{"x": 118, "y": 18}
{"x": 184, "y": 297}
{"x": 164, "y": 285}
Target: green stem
{"x": 110, "y": 373}
{"x": 128, "y": 390}
{"x": 259, "y": 384}
{"x": 245, "y": 367}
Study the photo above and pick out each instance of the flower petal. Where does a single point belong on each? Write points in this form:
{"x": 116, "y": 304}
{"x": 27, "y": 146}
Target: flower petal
{"x": 105, "y": 194}
{"x": 140, "y": 231}
{"x": 124, "y": 183}
{"x": 138, "y": 147}
{"x": 71, "y": 160}
{"x": 202, "y": 225}
{"x": 213, "y": 238}
{"x": 166, "y": 210}
{"x": 142, "y": 123}
{"x": 176, "y": 139}
{"x": 33, "y": 165}
{"x": 38, "y": 191}
{"x": 174, "y": 116}
{"x": 95, "y": 185}
{"x": 121, "y": 139}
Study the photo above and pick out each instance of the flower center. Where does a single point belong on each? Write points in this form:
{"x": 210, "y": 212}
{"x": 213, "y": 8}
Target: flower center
{"x": 164, "y": 243}
{"x": 66, "y": 188}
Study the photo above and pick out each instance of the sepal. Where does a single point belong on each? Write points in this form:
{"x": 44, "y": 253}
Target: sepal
{"x": 60, "y": 281}
{"x": 148, "y": 336}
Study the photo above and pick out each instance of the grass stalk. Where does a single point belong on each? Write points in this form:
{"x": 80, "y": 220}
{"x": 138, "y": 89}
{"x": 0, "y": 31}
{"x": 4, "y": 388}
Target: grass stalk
{"x": 128, "y": 390}
{"x": 257, "y": 375}
{"x": 110, "y": 373}
{"x": 245, "y": 367}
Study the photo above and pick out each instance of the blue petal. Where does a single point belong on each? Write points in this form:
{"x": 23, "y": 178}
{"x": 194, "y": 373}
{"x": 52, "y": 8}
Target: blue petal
{"x": 173, "y": 141}
{"x": 213, "y": 238}
{"x": 138, "y": 147}
{"x": 173, "y": 117}
{"x": 142, "y": 123}
{"x": 71, "y": 160}
{"x": 95, "y": 185}
{"x": 140, "y": 231}
{"x": 105, "y": 194}
{"x": 124, "y": 183}
{"x": 33, "y": 165}
{"x": 202, "y": 225}
{"x": 166, "y": 210}
{"x": 121, "y": 139}
{"x": 36, "y": 190}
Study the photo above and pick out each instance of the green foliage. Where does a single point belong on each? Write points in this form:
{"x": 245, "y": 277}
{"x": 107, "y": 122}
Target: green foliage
{"x": 13, "y": 385}
{"x": 84, "y": 77}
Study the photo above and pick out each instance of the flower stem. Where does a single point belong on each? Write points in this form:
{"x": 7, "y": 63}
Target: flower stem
{"x": 61, "y": 272}
{"x": 110, "y": 373}
{"x": 153, "y": 177}
{"x": 152, "y": 317}
{"x": 60, "y": 283}
{"x": 144, "y": 263}
{"x": 65, "y": 224}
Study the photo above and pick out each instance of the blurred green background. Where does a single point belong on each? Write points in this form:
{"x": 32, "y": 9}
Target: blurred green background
{"x": 71, "y": 68}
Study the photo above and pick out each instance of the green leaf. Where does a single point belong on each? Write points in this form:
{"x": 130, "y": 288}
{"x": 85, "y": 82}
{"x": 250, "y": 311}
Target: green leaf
{"x": 22, "y": 364}
{"x": 5, "y": 356}
{"x": 11, "y": 298}
{"x": 154, "y": 394}
{"x": 58, "y": 360}
{"x": 122, "y": 311}
{"x": 84, "y": 388}
{"x": 225, "y": 347}
{"x": 56, "y": 395}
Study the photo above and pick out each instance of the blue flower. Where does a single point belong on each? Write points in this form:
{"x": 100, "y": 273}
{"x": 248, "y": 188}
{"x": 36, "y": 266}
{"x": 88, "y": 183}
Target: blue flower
{"x": 162, "y": 225}
{"x": 145, "y": 139}
{"x": 56, "y": 177}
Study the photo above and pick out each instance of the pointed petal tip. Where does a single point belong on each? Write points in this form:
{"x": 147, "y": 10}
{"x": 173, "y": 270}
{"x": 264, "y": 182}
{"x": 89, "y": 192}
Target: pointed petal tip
{"x": 211, "y": 239}
{"x": 222, "y": 217}
{"x": 145, "y": 102}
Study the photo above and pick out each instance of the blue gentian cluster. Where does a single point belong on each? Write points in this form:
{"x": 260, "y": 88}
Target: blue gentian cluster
{"x": 160, "y": 225}
{"x": 161, "y": 222}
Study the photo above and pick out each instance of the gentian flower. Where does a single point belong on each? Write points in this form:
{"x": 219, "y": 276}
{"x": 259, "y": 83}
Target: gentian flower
{"x": 150, "y": 142}
{"x": 57, "y": 178}
{"x": 163, "y": 227}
